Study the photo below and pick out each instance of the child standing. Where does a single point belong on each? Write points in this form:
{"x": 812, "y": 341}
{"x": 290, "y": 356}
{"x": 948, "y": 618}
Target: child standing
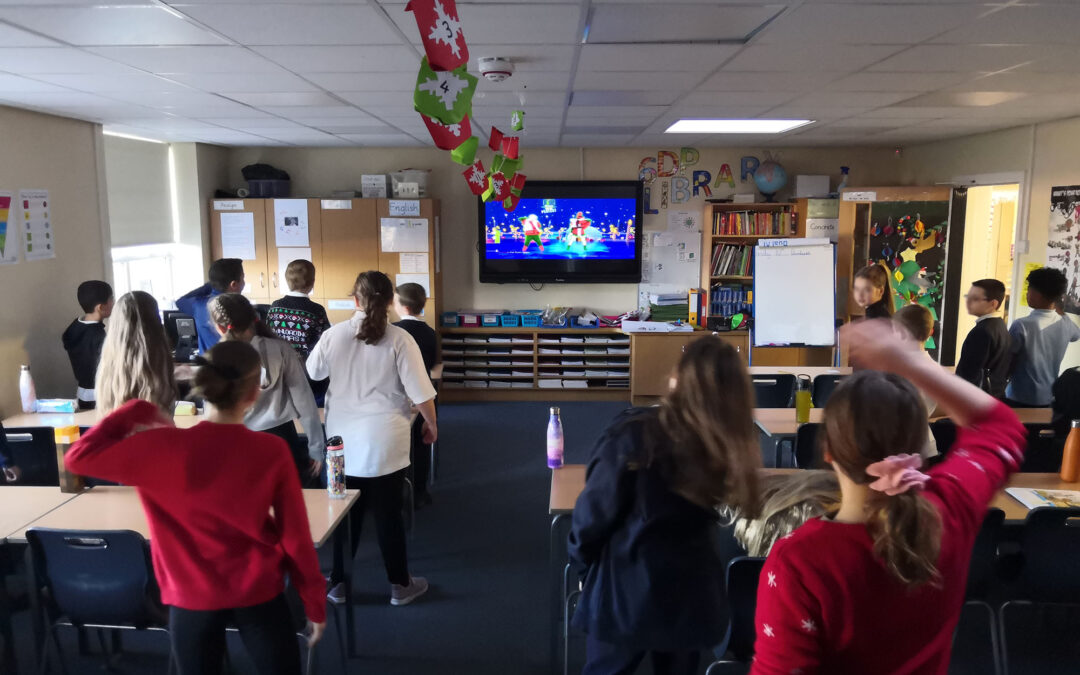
{"x": 644, "y": 527}
{"x": 896, "y": 553}
{"x": 409, "y": 301}
{"x": 872, "y": 291}
{"x": 84, "y": 338}
{"x": 296, "y": 318}
{"x": 1039, "y": 341}
{"x": 985, "y": 357}
{"x": 918, "y": 323}
{"x": 226, "y": 276}
{"x": 284, "y": 393}
{"x": 136, "y": 361}
{"x": 219, "y": 554}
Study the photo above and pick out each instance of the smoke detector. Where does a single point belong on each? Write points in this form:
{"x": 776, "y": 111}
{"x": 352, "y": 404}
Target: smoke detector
{"x": 496, "y": 68}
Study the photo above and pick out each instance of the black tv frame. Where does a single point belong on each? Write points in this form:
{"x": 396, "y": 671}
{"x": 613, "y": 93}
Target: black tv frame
{"x": 563, "y": 271}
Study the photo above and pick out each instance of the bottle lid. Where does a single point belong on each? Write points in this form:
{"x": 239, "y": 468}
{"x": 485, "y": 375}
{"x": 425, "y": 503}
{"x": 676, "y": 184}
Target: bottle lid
{"x": 67, "y": 435}
{"x": 24, "y": 367}
{"x": 1075, "y": 424}
{"x": 335, "y": 442}
{"x": 554, "y": 410}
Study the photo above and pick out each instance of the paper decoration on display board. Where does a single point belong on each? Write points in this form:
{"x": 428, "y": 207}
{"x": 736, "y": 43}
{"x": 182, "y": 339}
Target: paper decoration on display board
{"x": 9, "y": 249}
{"x": 1063, "y": 247}
{"x": 443, "y": 96}
{"x": 441, "y": 31}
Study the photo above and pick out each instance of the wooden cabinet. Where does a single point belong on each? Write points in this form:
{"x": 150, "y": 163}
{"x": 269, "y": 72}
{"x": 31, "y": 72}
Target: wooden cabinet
{"x": 350, "y": 243}
{"x": 255, "y": 271}
{"x": 653, "y": 357}
{"x": 275, "y": 262}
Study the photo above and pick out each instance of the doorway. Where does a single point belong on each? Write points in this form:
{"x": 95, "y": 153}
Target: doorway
{"x": 988, "y": 248}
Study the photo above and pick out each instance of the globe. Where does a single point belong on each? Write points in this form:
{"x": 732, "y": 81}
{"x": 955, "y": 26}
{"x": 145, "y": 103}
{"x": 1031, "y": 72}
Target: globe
{"x": 770, "y": 177}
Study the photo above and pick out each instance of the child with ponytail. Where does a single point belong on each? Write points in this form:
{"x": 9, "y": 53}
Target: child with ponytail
{"x": 285, "y": 393}
{"x": 896, "y": 552}
{"x": 873, "y": 292}
{"x": 220, "y": 553}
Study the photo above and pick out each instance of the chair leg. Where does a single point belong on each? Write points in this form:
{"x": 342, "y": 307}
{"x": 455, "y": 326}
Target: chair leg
{"x": 410, "y": 507}
{"x": 994, "y": 640}
{"x": 339, "y": 630}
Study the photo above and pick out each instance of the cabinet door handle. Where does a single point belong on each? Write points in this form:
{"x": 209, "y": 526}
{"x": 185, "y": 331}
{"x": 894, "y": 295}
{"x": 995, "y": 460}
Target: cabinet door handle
{"x": 262, "y": 279}
{"x": 273, "y": 280}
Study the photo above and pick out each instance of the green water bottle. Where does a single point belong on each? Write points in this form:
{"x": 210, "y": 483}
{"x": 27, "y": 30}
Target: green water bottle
{"x": 803, "y": 402}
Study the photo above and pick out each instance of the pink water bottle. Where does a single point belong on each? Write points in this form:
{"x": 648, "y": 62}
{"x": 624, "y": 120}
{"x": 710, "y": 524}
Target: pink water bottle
{"x": 554, "y": 440}
{"x": 335, "y": 467}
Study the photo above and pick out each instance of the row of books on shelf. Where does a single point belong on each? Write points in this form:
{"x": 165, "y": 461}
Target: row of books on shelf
{"x": 735, "y": 223}
{"x": 730, "y": 299}
{"x": 732, "y": 260}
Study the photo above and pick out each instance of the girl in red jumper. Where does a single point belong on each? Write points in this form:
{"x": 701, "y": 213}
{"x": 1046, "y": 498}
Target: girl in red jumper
{"x": 878, "y": 588}
{"x": 219, "y": 554}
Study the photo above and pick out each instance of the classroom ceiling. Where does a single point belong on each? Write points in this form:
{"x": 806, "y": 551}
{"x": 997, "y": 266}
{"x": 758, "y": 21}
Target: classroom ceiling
{"x": 589, "y": 72}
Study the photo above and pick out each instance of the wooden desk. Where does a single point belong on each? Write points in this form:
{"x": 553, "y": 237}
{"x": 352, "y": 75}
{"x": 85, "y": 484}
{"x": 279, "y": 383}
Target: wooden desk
{"x": 780, "y": 422}
{"x": 1014, "y": 510}
{"x": 89, "y": 418}
{"x": 566, "y": 484}
{"x": 812, "y": 371}
{"x": 22, "y": 505}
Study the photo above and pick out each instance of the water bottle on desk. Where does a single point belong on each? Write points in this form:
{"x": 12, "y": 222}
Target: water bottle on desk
{"x": 803, "y": 400}
{"x": 335, "y": 467}
{"x": 554, "y": 440}
{"x": 1070, "y": 458}
{"x": 65, "y": 437}
{"x": 27, "y": 392}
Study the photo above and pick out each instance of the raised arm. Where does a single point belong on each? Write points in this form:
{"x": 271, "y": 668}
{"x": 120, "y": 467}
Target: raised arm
{"x": 116, "y": 449}
{"x": 300, "y": 392}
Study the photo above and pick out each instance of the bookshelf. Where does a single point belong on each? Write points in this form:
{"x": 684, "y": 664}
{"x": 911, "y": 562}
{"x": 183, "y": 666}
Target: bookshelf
{"x": 730, "y": 234}
{"x": 535, "y": 364}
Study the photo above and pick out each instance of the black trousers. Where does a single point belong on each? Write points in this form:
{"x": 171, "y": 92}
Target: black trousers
{"x": 605, "y": 658}
{"x": 384, "y": 496}
{"x": 198, "y": 638}
{"x": 299, "y": 450}
{"x": 420, "y": 455}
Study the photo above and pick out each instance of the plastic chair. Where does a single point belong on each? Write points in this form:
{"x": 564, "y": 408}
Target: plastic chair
{"x": 33, "y": 450}
{"x": 94, "y": 579}
{"x": 1045, "y": 642}
{"x": 806, "y": 452}
{"x": 824, "y": 385}
{"x": 742, "y": 584}
{"x": 944, "y": 431}
{"x": 982, "y": 581}
{"x": 774, "y": 391}
{"x": 1043, "y": 450}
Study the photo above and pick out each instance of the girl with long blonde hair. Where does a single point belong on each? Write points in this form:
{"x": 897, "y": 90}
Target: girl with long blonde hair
{"x": 136, "y": 361}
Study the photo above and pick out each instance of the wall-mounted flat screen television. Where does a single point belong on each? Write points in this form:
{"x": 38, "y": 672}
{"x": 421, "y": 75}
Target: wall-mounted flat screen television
{"x": 564, "y": 231}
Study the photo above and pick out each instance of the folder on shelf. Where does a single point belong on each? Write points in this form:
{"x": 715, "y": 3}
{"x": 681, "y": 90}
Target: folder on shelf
{"x": 571, "y": 340}
{"x": 453, "y": 352}
{"x": 476, "y": 384}
{"x": 499, "y": 384}
{"x": 548, "y": 351}
{"x": 572, "y": 362}
{"x": 453, "y": 341}
{"x": 522, "y": 373}
{"x": 596, "y": 373}
{"x": 596, "y": 362}
{"x": 453, "y": 373}
{"x": 549, "y": 384}
{"x": 476, "y": 362}
{"x": 573, "y": 373}
{"x": 619, "y": 351}
{"x": 521, "y": 384}
{"x": 499, "y": 340}
{"x": 520, "y": 352}
{"x": 594, "y": 340}
{"x": 476, "y": 341}
{"x": 575, "y": 384}
{"x": 616, "y": 373}
{"x": 450, "y": 363}
{"x": 576, "y": 351}
{"x": 516, "y": 362}
{"x": 548, "y": 341}
{"x": 521, "y": 341}
{"x": 596, "y": 350}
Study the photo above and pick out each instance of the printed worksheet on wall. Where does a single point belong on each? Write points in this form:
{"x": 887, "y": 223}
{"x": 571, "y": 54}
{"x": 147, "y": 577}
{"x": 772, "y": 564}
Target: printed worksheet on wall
{"x": 38, "y": 242}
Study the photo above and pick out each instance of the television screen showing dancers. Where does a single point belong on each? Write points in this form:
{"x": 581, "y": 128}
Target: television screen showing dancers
{"x": 597, "y": 229}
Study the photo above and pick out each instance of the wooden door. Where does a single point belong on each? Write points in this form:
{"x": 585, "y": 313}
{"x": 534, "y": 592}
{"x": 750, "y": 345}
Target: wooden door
{"x": 256, "y": 270}
{"x": 390, "y": 261}
{"x": 350, "y": 245}
{"x": 278, "y": 257}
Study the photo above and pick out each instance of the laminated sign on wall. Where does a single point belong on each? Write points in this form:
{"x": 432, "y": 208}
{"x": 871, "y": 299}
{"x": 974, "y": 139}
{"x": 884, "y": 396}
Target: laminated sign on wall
{"x": 404, "y": 235}
{"x": 38, "y": 241}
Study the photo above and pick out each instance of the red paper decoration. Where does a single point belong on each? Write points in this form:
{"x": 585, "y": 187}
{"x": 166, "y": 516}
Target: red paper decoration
{"x": 448, "y": 136}
{"x": 441, "y": 32}
{"x": 477, "y": 178}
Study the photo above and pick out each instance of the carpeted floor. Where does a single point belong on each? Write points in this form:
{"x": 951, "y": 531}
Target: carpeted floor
{"x": 483, "y": 545}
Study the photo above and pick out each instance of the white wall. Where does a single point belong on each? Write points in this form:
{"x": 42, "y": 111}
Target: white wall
{"x": 61, "y": 155}
{"x": 319, "y": 171}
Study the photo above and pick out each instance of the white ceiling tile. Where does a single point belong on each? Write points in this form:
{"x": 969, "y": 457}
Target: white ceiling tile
{"x": 636, "y": 81}
{"x": 591, "y": 140}
{"x": 526, "y": 57}
{"x": 809, "y": 56}
{"x": 11, "y": 36}
{"x": 912, "y": 112}
{"x": 200, "y": 59}
{"x": 1021, "y": 80}
{"x": 342, "y": 59}
{"x": 132, "y": 81}
{"x": 279, "y": 25}
{"x": 866, "y": 24}
{"x": 676, "y": 22}
{"x": 845, "y": 99}
{"x": 16, "y": 83}
{"x": 1024, "y": 24}
{"x": 364, "y": 99}
{"x": 526, "y": 81}
{"x": 736, "y": 98}
{"x": 277, "y": 81}
{"x": 654, "y": 57}
{"x": 534, "y": 23}
{"x": 872, "y": 82}
{"x": 963, "y": 98}
{"x": 169, "y": 99}
{"x": 957, "y": 58}
{"x": 60, "y": 100}
{"x": 859, "y": 122}
{"x": 525, "y": 100}
{"x": 28, "y": 61}
{"x": 389, "y": 140}
{"x": 280, "y": 98}
{"x": 743, "y": 81}
{"x": 818, "y": 113}
{"x": 111, "y": 25}
{"x": 369, "y": 129}
{"x": 334, "y": 109}
{"x": 623, "y": 98}
{"x": 403, "y": 81}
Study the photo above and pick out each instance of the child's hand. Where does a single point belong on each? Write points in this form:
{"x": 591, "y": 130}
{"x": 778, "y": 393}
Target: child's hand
{"x": 879, "y": 344}
{"x": 314, "y": 468}
{"x": 314, "y": 632}
{"x": 430, "y": 433}
{"x": 159, "y": 421}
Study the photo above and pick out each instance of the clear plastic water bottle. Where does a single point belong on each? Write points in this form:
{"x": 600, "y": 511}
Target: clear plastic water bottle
{"x": 554, "y": 440}
{"x": 335, "y": 467}
{"x": 27, "y": 392}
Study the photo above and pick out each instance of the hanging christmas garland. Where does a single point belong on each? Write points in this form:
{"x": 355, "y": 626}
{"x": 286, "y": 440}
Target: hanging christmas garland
{"x": 443, "y": 98}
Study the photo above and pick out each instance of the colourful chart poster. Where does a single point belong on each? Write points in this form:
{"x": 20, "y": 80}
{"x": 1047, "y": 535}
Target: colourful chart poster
{"x": 9, "y": 247}
{"x": 38, "y": 243}
{"x": 1063, "y": 247}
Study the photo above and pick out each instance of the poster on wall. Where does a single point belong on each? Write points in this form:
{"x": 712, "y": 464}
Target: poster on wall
{"x": 1063, "y": 247}
{"x": 238, "y": 235}
{"x": 910, "y": 239}
{"x": 291, "y": 222}
{"x": 38, "y": 243}
{"x": 9, "y": 245}
{"x": 823, "y": 218}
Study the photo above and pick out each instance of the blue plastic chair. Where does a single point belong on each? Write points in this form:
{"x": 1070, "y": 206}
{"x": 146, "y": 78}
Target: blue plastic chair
{"x": 742, "y": 584}
{"x": 806, "y": 447}
{"x": 94, "y": 579}
{"x": 983, "y": 582}
{"x": 824, "y": 386}
{"x": 33, "y": 450}
{"x": 773, "y": 391}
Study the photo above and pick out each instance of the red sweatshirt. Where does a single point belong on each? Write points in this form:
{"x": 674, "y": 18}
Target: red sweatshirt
{"x": 207, "y": 492}
{"x": 826, "y": 604}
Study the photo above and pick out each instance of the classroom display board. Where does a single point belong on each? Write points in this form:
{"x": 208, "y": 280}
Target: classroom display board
{"x": 794, "y": 293}
{"x": 1063, "y": 247}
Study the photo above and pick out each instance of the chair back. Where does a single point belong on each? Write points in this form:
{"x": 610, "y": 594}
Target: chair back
{"x": 774, "y": 391}
{"x": 97, "y": 577}
{"x": 33, "y": 450}
{"x": 824, "y": 385}
{"x": 982, "y": 571}
{"x": 742, "y": 584}
{"x": 1051, "y": 546}
{"x": 806, "y": 447}
{"x": 1043, "y": 450}
{"x": 944, "y": 432}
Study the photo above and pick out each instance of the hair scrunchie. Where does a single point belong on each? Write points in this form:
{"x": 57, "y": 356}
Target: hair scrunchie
{"x": 897, "y": 474}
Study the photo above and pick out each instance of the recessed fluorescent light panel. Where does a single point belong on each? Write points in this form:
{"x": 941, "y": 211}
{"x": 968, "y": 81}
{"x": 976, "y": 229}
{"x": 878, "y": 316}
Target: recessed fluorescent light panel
{"x": 132, "y": 137}
{"x": 735, "y": 126}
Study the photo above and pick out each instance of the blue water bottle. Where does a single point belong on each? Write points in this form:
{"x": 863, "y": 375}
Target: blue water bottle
{"x": 554, "y": 440}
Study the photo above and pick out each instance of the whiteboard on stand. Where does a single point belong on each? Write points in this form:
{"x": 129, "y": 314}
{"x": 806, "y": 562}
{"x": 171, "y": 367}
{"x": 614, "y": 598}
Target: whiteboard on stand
{"x": 794, "y": 293}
